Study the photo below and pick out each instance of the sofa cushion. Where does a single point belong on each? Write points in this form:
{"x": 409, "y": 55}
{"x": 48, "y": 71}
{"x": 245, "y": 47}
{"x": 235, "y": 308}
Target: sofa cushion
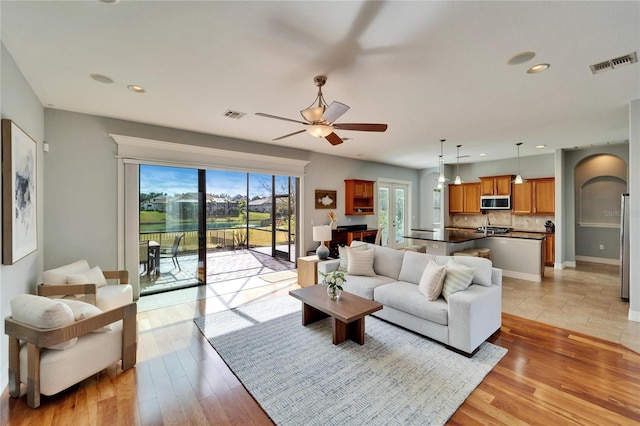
{"x": 343, "y": 254}
{"x": 95, "y": 276}
{"x": 406, "y": 297}
{"x": 413, "y": 264}
{"x": 363, "y": 286}
{"x": 42, "y": 312}
{"x": 432, "y": 280}
{"x": 483, "y": 269}
{"x": 82, "y": 310}
{"x": 360, "y": 262}
{"x": 458, "y": 278}
{"x": 59, "y": 275}
{"x": 387, "y": 261}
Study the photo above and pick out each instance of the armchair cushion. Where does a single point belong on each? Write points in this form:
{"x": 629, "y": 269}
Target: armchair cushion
{"x": 41, "y": 312}
{"x": 82, "y": 310}
{"x": 59, "y": 275}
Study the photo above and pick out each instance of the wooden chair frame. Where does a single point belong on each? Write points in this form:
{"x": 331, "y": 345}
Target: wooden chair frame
{"x": 37, "y": 338}
{"x": 90, "y": 290}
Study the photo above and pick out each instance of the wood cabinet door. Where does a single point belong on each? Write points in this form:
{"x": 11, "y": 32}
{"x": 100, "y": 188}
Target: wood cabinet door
{"x": 486, "y": 186}
{"x": 522, "y": 198}
{"x": 545, "y": 196}
{"x": 550, "y": 250}
{"x": 456, "y": 199}
{"x": 472, "y": 198}
{"x": 502, "y": 185}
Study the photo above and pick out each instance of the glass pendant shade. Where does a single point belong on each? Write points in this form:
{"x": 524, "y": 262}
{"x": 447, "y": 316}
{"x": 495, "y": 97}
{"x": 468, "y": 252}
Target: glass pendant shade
{"x": 457, "y": 180}
{"x": 319, "y": 130}
{"x": 518, "y": 179}
{"x": 313, "y": 114}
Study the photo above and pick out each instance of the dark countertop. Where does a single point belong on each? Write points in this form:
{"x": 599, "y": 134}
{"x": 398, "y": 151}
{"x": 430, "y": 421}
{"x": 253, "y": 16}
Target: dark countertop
{"x": 463, "y": 236}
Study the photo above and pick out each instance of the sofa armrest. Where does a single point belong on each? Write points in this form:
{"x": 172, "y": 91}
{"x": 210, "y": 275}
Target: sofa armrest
{"x": 89, "y": 290}
{"x": 328, "y": 265}
{"x": 474, "y": 315}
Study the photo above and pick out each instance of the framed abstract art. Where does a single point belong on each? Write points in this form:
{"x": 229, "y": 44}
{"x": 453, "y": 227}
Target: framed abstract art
{"x": 19, "y": 220}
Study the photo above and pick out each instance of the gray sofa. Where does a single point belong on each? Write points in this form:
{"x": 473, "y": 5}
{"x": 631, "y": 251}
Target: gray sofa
{"x": 463, "y": 323}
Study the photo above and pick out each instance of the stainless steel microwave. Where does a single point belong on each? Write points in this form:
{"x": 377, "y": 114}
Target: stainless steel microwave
{"x": 495, "y": 202}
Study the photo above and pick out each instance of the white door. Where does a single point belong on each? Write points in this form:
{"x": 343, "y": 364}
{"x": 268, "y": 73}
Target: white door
{"x": 393, "y": 211}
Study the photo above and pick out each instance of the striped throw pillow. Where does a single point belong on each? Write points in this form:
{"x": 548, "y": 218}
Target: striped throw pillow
{"x": 432, "y": 280}
{"x": 458, "y": 278}
{"x": 360, "y": 262}
{"x": 343, "y": 254}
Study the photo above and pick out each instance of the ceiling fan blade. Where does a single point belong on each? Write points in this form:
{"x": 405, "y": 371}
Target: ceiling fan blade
{"x": 261, "y": 114}
{"x": 334, "y": 111}
{"x": 334, "y": 139}
{"x": 290, "y": 134}
{"x": 363, "y": 127}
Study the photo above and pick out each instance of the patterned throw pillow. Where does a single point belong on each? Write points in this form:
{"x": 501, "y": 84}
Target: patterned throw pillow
{"x": 432, "y": 280}
{"x": 360, "y": 262}
{"x": 458, "y": 278}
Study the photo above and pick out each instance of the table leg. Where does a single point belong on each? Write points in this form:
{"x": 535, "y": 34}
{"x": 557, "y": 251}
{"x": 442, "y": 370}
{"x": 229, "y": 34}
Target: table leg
{"x": 311, "y": 314}
{"x": 343, "y": 331}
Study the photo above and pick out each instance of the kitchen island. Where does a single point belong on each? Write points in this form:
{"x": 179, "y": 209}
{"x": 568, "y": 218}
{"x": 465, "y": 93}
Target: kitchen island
{"x": 519, "y": 254}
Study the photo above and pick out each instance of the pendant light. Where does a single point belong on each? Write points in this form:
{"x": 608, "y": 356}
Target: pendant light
{"x": 441, "y": 178}
{"x": 457, "y": 180}
{"x": 519, "y": 179}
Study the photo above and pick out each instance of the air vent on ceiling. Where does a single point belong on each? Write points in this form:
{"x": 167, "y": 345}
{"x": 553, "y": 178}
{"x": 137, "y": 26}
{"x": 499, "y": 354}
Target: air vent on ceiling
{"x": 629, "y": 59}
{"x": 234, "y": 114}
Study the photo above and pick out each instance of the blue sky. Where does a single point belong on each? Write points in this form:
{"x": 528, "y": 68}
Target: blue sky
{"x": 177, "y": 180}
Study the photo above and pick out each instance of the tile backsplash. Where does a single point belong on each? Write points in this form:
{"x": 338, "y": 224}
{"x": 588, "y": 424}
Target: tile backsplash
{"x": 501, "y": 218}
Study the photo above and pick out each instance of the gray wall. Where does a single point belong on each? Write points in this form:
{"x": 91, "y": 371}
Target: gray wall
{"x": 20, "y": 105}
{"x": 81, "y": 165}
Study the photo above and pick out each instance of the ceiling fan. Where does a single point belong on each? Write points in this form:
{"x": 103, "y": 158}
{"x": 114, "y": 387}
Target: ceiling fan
{"x": 320, "y": 118}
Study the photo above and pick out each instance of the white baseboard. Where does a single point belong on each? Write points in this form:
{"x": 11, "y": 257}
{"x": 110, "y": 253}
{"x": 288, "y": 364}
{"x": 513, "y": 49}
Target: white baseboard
{"x": 569, "y": 264}
{"x": 634, "y": 315}
{"x": 522, "y": 276}
{"x": 604, "y": 260}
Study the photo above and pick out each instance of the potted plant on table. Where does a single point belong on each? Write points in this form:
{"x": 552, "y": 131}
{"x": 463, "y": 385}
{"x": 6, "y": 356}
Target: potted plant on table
{"x": 333, "y": 281}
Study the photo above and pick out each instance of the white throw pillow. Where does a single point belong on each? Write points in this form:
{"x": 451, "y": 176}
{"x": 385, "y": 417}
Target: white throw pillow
{"x": 432, "y": 280}
{"x": 95, "y": 276}
{"x": 458, "y": 278}
{"x": 360, "y": 262}
{"x": 343, "y": 254}
{"x": 45, "y": 313}
{"x": 83, "y": 310}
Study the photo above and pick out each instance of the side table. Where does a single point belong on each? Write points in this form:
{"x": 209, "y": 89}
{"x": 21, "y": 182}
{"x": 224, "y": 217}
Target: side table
{"x": 308, "y": 270}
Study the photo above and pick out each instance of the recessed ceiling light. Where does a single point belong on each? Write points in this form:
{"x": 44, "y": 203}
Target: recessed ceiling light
{"x": 541, "y": 146}
{"x": 483, "y": 154}
{"x": 136, "y": 88}
{"x": 521, "y": 58}
{"x": 101, "y": 78}
{"x": 538, "y": 68}
{"x": 110, "y": 1}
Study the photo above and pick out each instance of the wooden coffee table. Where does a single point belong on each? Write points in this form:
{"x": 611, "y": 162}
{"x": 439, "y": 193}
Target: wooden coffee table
{"x": 347, "y": 313}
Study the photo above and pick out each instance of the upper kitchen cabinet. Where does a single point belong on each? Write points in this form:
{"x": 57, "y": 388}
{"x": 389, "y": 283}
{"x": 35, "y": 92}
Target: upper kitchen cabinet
{"x": 535, "y": 196}
{"x": 496, "y": 185}
{"x": 359, "y": 197}
{"x": 464, "y": 198}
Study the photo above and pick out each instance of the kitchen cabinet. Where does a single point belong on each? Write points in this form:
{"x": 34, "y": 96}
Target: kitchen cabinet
{"x": 464, "y": 198}
{"x": 496, "y": 185}
{"x": 550, "y": 250}
{"x": 359, "y": 197}
{"x": 535, "y": 196}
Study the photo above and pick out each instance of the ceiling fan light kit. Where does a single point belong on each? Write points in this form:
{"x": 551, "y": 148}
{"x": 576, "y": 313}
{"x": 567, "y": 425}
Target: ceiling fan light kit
{"x": 320, "y": 118}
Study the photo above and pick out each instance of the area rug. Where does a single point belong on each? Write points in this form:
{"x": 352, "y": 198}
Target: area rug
{"x": 274, "y": 277}
{"x": 299, "y": 377}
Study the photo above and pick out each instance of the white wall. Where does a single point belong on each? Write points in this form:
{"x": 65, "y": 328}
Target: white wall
{"x": 20, "y": 105}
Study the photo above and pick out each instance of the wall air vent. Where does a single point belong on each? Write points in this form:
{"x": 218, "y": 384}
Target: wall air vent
{"x": 234, "y": 114}
{"x": 629, "y": 59}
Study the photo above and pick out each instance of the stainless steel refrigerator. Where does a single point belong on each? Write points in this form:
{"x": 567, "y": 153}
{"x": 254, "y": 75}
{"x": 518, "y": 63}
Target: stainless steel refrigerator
{"x": 624, "y": 247}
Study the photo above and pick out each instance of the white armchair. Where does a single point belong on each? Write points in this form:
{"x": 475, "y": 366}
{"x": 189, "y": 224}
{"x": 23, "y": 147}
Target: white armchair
{"x": 79, "y": 279}
{"x": 55, "y": 343}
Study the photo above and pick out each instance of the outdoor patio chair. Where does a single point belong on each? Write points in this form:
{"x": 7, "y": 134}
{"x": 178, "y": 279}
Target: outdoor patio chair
{"x": 146, "y": 258}
{"x": 173, "y": 251}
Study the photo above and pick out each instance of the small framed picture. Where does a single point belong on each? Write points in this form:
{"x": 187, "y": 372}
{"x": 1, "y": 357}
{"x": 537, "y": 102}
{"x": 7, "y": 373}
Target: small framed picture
{"x": 325, "y": 199}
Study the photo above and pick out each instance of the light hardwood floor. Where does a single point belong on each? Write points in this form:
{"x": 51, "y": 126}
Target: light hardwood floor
{"x": 549, "y": 376}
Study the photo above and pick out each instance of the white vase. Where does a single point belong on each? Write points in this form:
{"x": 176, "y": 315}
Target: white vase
{"x": 334, "y": 224}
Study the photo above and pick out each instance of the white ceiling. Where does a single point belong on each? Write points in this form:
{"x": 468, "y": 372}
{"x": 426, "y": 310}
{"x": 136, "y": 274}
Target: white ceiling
{"x": 430, "y": 70}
